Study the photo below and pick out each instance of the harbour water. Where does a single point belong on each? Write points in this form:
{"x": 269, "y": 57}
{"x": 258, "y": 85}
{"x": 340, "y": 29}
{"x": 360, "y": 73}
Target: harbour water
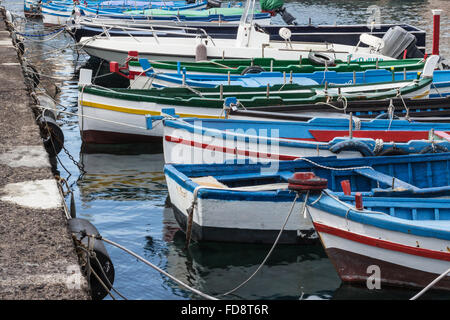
{"x": 123, "y": 192}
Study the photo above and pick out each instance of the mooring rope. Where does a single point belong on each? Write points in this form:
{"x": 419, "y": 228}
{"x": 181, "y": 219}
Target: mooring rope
{"x": 274, "y": 244}
{"x": 54, "y": 33}
{"x": 156, "y": 268}
{"x": 431, "y": 284}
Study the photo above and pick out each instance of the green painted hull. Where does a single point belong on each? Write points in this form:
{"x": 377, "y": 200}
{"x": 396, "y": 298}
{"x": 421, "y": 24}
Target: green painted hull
{"x": 237, "y": 66}
{"x": 279, "y": 95}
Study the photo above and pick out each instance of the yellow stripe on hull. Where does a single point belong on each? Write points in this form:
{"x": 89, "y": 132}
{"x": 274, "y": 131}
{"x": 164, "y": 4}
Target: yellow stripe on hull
{"x": 138, "y": 111}
{"x": 422, "y": 95}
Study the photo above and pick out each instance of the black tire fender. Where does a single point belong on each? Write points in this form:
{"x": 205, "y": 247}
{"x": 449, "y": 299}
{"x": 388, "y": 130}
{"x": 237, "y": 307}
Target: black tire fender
{"x": 352, "y": 145}
{"x": 434, "y": 148}
{"x": 393, "y": 151}
{"x": 321, "y": 59}
{"x": 253, "y": 69}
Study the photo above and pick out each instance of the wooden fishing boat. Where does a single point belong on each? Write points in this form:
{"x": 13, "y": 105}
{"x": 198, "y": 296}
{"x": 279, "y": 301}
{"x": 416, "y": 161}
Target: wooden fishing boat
{"x": 253, "y": 72}
{"x": 439, "y": 88}
{"x": 175, "y": 13}
{"x": 258, "y": 65}
{"x": 423, "y": 110}
{"x": 401, "y": 241}
{"x": 243, "y": 202}
{"x": 108, "y": 115}
{"x": 198, "y": 141}
{"x": 58, "y": 13}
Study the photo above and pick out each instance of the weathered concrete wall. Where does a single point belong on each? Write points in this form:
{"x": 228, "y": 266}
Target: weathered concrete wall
{"x": 37, "y": 254}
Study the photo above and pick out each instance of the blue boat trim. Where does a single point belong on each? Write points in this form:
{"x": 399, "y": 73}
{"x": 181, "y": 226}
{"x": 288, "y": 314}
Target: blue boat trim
{"x": 436, "y": 229}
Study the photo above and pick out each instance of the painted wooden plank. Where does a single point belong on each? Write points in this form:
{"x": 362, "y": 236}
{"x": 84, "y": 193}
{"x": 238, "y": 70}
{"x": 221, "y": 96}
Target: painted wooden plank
{"x": 383, "y": 178}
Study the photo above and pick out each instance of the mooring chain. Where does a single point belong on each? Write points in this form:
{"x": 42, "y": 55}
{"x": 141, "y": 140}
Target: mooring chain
{"x": 78, "y": 164}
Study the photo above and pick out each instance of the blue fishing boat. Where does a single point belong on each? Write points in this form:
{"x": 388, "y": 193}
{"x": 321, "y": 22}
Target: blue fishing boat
{"x": 221, "y": 15}
{"x": 423, "y": 110}
{"x": 394, "y": 236}
{"x": 249, "y": 202}
{"x": 439, "y": 88}
{"x": 193, "y": 140}
{"x": 55, "y": 13}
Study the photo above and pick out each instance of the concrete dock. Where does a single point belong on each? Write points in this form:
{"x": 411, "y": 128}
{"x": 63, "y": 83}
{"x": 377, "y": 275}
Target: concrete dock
{"x": 37, "y": 253}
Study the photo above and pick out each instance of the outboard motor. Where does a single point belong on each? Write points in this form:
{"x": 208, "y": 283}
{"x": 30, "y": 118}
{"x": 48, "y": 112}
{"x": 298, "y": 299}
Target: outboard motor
{"x": 275, "y": 7}
{"x": 397, "y": 40}
{"x": 286, "y": 16}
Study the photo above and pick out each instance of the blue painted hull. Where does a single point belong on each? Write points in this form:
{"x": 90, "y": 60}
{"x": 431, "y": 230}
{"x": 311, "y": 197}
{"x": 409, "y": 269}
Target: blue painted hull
{"x": 416, "y": 177}
{"x": 190, "y": 140}
{"x": 303, "y": 130}
{"x": 440, "y": 86}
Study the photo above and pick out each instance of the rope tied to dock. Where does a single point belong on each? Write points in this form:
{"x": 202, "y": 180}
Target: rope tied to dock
{"x": 206, "y": 296}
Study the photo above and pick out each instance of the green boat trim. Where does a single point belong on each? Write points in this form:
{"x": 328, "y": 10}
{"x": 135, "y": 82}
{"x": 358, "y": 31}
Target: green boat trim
{"x": 279, "y": 95}
{"x": 237, "y": 66}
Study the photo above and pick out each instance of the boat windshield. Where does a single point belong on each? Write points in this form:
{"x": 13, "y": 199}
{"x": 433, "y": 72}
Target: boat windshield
{"x": 247, "y": 15}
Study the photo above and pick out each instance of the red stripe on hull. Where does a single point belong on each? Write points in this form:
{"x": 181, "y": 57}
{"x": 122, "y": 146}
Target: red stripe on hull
{"x": 352, "y": 267}
{"x": 392, "y": 246}
{"x": 388, "y": 136}
{"x": 229, "y": 150}
{"x": 108, "y": 137}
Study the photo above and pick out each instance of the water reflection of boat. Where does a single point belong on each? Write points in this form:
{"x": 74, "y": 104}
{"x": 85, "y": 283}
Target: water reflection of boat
{"x": 122, "y": 177}
{"x": 292, "y": 272}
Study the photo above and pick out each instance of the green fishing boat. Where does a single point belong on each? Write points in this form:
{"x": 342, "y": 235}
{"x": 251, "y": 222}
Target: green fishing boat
{"x": 256, "y": 65}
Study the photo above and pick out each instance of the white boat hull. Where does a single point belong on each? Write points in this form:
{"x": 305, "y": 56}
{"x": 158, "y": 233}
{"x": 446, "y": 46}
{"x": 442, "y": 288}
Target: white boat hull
{"x": 239, "y": 220}
{"x": 185, "y": 48}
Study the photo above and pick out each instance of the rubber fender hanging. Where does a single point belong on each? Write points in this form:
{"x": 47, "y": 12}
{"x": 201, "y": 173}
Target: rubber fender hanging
{"x": 393, "y": 151}
{"x": 17, "y": 43}
{"x": 253, "y": 69}
{"x": 52, "y": 135}
{"x": 434, "y": 148}
{"x": 33, "y": 74}
{"x": 49, "y": 113}
{"x": 386, "y": 116}
{"x": 321, "y": 59}
{"x": 79, "y": 227}
{"x": 352, "y": 145}
{"x": 200, "y": 52}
